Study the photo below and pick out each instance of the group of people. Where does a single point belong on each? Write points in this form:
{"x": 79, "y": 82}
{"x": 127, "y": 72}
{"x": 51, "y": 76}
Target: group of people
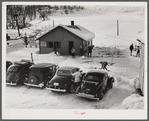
{"x": 86, "y": 51}
{"x": 131, "y": 48}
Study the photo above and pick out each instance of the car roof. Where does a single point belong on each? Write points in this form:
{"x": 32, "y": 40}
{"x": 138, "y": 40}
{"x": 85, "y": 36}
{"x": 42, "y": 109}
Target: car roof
{"x": 67, "y": 68}
{"x": 21, "y": 63}
{"x": 97, "y": 72}
{"x": 42, "y": 65}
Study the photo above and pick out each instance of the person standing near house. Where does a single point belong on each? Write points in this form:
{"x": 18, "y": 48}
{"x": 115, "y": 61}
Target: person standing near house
{"x": 90, "y": 51}
{"x": 73, "y": 52}
{"x": 86, "y": 51}
{"x": 55, "y": 49}
{"x": 81, "y": 49}
{"x": 131, "y": 49}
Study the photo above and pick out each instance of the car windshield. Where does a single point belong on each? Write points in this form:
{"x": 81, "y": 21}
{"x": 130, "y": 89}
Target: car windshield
{"x": 95, "y": 77}
{"x": 63, "y": 73}
{"x": 13, "y": 68}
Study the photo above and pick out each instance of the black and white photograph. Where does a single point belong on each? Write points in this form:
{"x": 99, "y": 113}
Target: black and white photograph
{"x": 74, "y": 60}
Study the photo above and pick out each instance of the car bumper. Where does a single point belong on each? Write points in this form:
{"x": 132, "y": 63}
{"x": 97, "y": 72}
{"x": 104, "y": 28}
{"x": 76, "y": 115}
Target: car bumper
{"x": 33, "y": 85}
{"x": 58, "y": 90}
{"x": 87, "y": 96}
{"x": 11, "y": 83}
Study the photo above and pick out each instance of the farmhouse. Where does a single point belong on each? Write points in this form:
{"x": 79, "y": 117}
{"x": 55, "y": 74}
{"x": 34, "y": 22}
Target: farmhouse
{"x": 64, "y": 37}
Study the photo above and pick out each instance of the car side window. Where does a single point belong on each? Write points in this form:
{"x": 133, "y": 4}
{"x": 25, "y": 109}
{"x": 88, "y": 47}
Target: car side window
{"x": 73, "y": 71}
{"x": 50, "y": 69}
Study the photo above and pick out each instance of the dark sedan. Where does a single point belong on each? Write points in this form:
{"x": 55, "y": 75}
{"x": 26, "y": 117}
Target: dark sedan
{"x": 18, "y": 72}
{"x": 40, "y": 74}
{"x": 62, "y": 80}
{"x": 95, "y": 84}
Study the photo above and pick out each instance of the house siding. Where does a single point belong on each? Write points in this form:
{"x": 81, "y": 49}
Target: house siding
{"x": 63, "y": 36}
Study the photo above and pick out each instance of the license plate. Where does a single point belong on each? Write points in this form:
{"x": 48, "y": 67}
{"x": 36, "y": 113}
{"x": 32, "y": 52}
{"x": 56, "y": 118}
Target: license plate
{"x": 56, "y": 84}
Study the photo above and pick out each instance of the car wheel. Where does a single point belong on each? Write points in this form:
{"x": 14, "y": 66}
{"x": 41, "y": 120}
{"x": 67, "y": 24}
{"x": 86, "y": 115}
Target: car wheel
{"x": 33, "y": 80}
{"x": 111, "y": 82}
{"x": 100, "y": 94}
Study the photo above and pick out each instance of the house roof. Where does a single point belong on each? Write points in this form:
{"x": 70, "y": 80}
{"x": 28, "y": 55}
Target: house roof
{"x": 77, "y": 30}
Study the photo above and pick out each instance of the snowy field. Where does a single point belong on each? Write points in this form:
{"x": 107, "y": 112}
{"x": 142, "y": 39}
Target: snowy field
{"x": 125, "y": 68}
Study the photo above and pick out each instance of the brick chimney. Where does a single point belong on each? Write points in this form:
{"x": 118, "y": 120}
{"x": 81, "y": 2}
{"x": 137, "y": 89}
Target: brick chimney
{"x": 72, "y": 23}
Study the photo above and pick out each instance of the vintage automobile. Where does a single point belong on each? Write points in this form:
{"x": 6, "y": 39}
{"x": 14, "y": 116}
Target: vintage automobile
{"x": 62, "y": 81}
{"x": 8, "y": 63}
{"x": 40, "y": 74}
{"x": 95, "y": 84}
{"x": 18, "y": 72}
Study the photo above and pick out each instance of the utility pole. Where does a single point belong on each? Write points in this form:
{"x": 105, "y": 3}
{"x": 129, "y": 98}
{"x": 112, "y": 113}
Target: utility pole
{"x": 53, "y": 23}
{"x": 117, "y": 28}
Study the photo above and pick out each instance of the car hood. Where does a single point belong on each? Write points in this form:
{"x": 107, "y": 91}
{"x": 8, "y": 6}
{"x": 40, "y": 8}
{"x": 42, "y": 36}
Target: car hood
{"x": 61, "y": 80}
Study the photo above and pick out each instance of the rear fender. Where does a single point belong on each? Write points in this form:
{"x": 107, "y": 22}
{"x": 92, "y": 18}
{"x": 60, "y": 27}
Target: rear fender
{"x": 18, "y": 80}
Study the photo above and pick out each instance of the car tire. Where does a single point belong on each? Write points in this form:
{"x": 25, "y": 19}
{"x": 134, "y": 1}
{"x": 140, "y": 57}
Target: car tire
{"x": 34, "y": 78}
{"x": 100, "y": 94}
{"x": 111, "y": 80}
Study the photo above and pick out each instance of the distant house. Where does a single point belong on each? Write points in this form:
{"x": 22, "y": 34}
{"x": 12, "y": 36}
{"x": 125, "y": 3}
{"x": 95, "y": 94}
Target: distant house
{"x": 65, "y": 37}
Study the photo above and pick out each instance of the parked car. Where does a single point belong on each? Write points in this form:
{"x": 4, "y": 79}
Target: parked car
{"x": 8, "y": 63}
{"x": 62, "y": 81}
{"x": 18, "y": 72}
{"x": 95, "y": 84}
{"x": 40, "y": 74}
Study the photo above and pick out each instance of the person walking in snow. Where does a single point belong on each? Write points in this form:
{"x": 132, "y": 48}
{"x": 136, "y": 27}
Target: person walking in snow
{"x": 131, "y": 49}
{"x": 104, "y": 65}
{"x": 73, "y": 52}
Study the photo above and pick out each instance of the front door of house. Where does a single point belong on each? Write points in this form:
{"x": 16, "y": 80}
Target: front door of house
{"x": 71, "y": 44}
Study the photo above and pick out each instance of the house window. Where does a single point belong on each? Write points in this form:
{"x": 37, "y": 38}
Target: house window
{"x": 43, "y": 43}
{"x": 54, "y": 44}
{"x": 50, "y": 44}
{"x": 57, "y": 44}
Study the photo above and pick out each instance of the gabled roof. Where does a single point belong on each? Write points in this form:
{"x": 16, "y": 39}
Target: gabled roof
{"x": 77, "y": 30}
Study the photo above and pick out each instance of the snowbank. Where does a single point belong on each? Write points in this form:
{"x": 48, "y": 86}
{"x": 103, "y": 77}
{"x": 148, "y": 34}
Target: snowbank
{"x": 134, "y": 101}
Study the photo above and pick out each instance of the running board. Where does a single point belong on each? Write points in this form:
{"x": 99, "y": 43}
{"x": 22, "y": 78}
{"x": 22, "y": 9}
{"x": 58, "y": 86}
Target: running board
{"x": 87, "y": 96}
{"x": 11, "y": 83}
{"x": 58, "y": 90}
{"x": 33, "y": 85}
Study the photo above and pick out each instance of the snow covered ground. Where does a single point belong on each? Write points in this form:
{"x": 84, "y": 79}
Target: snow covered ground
{"x": 125, "y": 68}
